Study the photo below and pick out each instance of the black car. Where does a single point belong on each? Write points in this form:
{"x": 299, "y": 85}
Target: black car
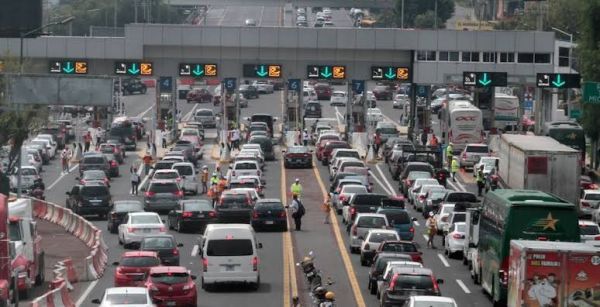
{"x": 90, "y": 198}
{"x": 248, "y": 91}
{"x": 113, "y": 165}
{"x": 111, "y": 150}
{"x": 118, "y": 144}
{"x": 378, "y": 266}
{"x": 93, "y": 161}
{"x": 297, "y": 156}
{"x": 234, "y": 207}
{"x": 266, "y": 144}
{"x": 165, "y": 246}
{"x": 119, "y": 212}
{"x": 312, "y": 109}
{"x": 132, "y": 85}
{"x": 364, "y": 203}
{"x": 269, "y": 212}
{"x": 192, "y": 214}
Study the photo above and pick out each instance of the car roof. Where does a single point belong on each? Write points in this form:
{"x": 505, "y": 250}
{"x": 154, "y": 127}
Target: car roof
{"x": 168, "y": 269}
{"x": 591, "y": 191}
{"x": 166, "y": 170}
{"x": 93, "y": 184}
{"x": 370, "y": 215}
{"x": 268, "y": 200}
{"x": 126, "y": 290}
{"x": 143, "y": 213}
{"x": 587, "y": 223}
{"x": 139, "y": 254}
{"x": 413, "y": 270}
{"x": 165, "y": 235}
{"x": 430, "y": 298}
{"x": 377, "y": 230}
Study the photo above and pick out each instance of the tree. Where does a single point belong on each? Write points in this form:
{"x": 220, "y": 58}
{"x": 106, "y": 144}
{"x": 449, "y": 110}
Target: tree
{"x": 561, "y": 14}
{"x": 421, "y": 10}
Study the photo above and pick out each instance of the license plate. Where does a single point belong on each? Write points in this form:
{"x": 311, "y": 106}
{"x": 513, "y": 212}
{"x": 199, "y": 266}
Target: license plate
{"x": 200, "y": 215}
{"x": 269, "y": 222}
{"x": 96, "y": 202}
{"x": 171, "y": 303}
{"x": 147, "y": 230}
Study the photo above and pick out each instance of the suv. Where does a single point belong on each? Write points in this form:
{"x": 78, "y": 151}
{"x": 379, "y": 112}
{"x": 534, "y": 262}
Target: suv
{"x": 132, "y": 85}
{"x": 206, "y": 117}
{"x": 90, "y": 198}
{"x": 383, "y": 92}
{"x": 248, "y": 91}
{"x": 312, "y": 109}
{"x": 162, "y": 195}
{"x": 234, "y": 207}
{"x": 407, "y": 282}
{"x": 361, "y": 203}
{"x": 323, "y": 91}
{"x": 198, "y": 95}
{"x": 93, "y": 161}
{"x": 472, "y": 153}
{"x": 119, "y": 212}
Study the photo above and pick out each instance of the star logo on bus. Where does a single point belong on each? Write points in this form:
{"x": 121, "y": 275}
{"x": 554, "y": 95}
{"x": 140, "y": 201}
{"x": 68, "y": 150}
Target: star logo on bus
{"x": 547, "y": 223}
{"x": 572, "y": 136}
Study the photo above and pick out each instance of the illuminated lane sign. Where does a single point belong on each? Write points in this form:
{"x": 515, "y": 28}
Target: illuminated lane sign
{"x": 133, "y": 68}
{"x": 390, "y": 73}
{"x": 68, "y": 67}
{"x": 484, "y": 79}
{"x": 198, "y": 70}
{"x": 262, "y": 71}
{"x": 558, "y": 80}
{"x": 337, "y": 72}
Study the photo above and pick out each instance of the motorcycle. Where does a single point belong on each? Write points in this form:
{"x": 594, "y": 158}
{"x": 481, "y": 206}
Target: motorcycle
{"x": 323, "y": 297}
{"x": 37, "y": 193}
{"x": 310, "y": 272}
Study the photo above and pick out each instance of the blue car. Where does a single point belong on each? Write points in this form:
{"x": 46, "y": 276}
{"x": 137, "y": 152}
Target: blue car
{"x": 400, "y": 221}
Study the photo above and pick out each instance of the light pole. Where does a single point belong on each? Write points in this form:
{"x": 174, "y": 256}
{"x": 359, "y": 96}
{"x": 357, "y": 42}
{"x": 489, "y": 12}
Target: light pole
{"x": 435, "y": 19}
{"x": 402, "y": 15}
{"x": 22, "y": 38}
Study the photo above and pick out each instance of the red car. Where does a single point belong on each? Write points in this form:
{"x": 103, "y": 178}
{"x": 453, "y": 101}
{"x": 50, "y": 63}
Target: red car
{"x": 326, "y": 151}
{"x": 172, "y": 286}
{"x": 133, "y": 268}
{"x": 401, "y": 247}
{"x": 199, "y": 95}
{"x": 323, "y": 91}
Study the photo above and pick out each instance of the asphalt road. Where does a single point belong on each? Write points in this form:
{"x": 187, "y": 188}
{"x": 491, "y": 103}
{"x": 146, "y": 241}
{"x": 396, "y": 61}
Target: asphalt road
{"x": 265, "y": 16}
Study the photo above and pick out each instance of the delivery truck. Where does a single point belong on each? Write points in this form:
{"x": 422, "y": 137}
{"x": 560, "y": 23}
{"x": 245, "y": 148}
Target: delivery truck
{"x": 539, "y": 163}
{"x": 561, "y": 274}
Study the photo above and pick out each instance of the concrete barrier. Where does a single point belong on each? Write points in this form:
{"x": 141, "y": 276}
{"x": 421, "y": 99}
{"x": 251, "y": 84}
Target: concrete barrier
{"x": 360, "y": 142}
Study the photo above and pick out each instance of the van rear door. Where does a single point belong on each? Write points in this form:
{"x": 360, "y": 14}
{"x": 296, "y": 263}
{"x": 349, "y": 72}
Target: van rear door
{"x": 231, "y": 256}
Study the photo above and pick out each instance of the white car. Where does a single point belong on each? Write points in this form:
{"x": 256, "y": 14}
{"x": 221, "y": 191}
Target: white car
{"x": 28, "y": 176}
{"x": 264, "y": 87}
{"x": 372, "y": 241}
{"x": 250, "y": 191}
{"x": 48, "y": 137}
{"x": 489, "y": 163}
{"x": 374, "y": 115}
{"x": 139, "y": 225}
{"x": 589, "y": 231}
{"x": 125, "y": 296}
{"x": 309, "y": 94}
{"x": 589, "y": 205}
{"x": 188, "y": 175}
{"x": 441, "y": 217}
{"x": 346, "y": 192}
{"x": 362, "y": 224}
{"x": 243, "y": 168}
{"x": 31, "y": 161}
{"x": 338, "y": 98}
{"x": 455, "y": 239}
{"x": 167, "y": 174}
{"x": 426, "y": 300}
{"x": 400, "y": 100}
{"x": 421, "y": 198}
{"x": 416, "y": 187}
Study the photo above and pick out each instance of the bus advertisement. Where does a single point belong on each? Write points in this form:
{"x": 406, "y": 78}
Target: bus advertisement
{"x": 462, "y": 123}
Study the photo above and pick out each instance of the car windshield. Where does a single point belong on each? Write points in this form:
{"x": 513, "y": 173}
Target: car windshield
{"x": 477, "y": 149}
{"x": 354, "y": 189}
{"x": 166, "y": 175}
{"x": 145, "y": 219}
{"x": 163, "y": 187}
{"x": 397, "y": 217}
{"x": 371, "y": 222}
{"x": 459, "y": 217}
{"x": 239, "y": 166}
{"x": 162, "y": 242}
{"x": 433, "y": 304}
{"x": 93, "y": 160}
{"x": 342, "y": 95}
{"x": 399, "y": 247}
{"x": 269, "y": 206}
{"x": 140, "y": 261}
{"x": 200, "y": 205}
{"x": 204, "y": 113}
{"x": 128, "y": 206}
{"x": 380, "y": 237}
{"x": 126, "y": 299}
{"x": 28, "y": 172}
{"x": 413, "y": 282}
{"x": 233, "y": 247}
{"x": 245, "y": 184}
{"x": 297, "y": 149}
{"x": 94, "y": 175}
{"x": 233, "y": 201}
{"x": 387, "y": 130}
{"x": 93, "y": 191}
{"x": 369, "y": 199}
{"x": 189, "y": 132}
{"x": 184, "y": 170}
{"x": 164, "y": 165}
{"x": 592, "y": 196}
{"x": 588, "y": 230}
{"x": 106, "y": 149}
{"x": 170, "y": 278}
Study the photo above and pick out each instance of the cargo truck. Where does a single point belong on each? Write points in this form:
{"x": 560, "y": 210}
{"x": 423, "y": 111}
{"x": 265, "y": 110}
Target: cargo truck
{"x": 539, "y": 163}
{"x": 562, "y": 274}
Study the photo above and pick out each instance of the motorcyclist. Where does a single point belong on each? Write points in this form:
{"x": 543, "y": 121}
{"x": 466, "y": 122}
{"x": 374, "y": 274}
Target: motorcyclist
{"x": 38, "y": 184}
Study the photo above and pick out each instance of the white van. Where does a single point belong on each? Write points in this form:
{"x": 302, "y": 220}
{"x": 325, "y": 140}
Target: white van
{"x": 188, "y": 174}
{"x": 229, "y": 255}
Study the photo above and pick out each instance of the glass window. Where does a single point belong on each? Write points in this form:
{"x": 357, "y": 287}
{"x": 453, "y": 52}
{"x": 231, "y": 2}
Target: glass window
{"x": 506, "y": 57}
{"x": 524, "y": 57}
{"x": 421, "y": 56}
{"x": 239, "y": 247}
{"x": 449, "y": 56}
{"x": 489, "y": 57}
{"x": 413, "y": 282}
{"x": 563, "y": 56}
{"x": 426, "y": 55}
{"x": 588, "y": 230}
{"x": 155, "y": 242}
{"x": 399, "y": 247}
{"x": 542, "y": 58}
{"x": 399, "y": 217}
{"x": 169, "y": 278}
{"x": 468, "y": 56}
{"x": 94, "y": 191}
{"x": 184, "y": 170}
{"x": 126, "y": 299}
{"x": 163, "y": 187}
{"x": 145, "y": 219}
{"x": 380, "y": 237}
{"x": 140, "y": 261}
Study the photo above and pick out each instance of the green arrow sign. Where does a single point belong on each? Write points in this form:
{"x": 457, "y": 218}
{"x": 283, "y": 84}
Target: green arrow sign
{"x": 198, "y": 71}
{"x": 68, "y": 67}
{"x": 133, "y": 70}
{"x": 485, "y": 81}
{"x": 262, "y": 72}
{"x": 390, "y": 73}
{"x": 326, "y": 73}
{"x": 558, "y": 82}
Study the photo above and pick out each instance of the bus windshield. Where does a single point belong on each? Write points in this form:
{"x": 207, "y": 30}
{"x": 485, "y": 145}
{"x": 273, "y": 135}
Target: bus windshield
{"x": 574, "y": 138}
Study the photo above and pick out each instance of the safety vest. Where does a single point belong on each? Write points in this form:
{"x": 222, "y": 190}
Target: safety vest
{"x": 449, "y": 151}
{"x": 479, "y": 176}
{"x": 454, "y": 166}
{"x": 214, "y": 179}
{"x": 221, "y": 185}
{"x": 296, "y": 188}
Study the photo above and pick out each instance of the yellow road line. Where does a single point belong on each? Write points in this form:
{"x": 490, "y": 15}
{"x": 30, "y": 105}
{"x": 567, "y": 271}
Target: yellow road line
{"x": 289, "y": 268}
{"x": 360, "y": 301}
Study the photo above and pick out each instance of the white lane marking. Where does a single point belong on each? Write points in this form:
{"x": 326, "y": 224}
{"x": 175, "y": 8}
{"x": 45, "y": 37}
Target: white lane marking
{"x": 150, "y": 173}
{"x": 189, "y": 114}
{"x": 61, "y": 177}
{"x": 87, "y": 292}
{"x": 461, "y": 186}
{"x": 417, "y": 223}
{"x": 463, "y": 286}
{"x": 195, "y": 251}
{"x": 385, "y": 179}
{"x": 339, "y": 116}
{"x": 145, "y": 111}
{"x": 379, "y": 182}
{"x": 444, "y": 261}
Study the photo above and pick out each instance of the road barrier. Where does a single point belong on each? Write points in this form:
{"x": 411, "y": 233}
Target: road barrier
{"x": 360, "y": 142}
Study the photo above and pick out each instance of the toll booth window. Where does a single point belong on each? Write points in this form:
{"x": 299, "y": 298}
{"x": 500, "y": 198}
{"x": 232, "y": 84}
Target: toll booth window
{"x": 14, "y": 231}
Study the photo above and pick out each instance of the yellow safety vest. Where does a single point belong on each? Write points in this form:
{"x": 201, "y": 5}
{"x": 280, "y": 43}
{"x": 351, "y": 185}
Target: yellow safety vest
{"x": 296, "y": 188}
{"x": 449, "y": 151}
{"x": 454, "y": 166}
{"x": 479, "y": 176}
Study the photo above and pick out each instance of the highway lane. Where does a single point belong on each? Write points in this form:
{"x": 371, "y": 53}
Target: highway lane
{"x": 265, "y": 16}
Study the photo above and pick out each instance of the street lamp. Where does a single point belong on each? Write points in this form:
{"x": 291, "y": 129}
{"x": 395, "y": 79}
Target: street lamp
{"x": 22, "y": 37}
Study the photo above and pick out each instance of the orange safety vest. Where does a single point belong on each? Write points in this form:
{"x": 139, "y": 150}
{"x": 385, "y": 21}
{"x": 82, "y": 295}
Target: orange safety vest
{"x": 221, "y": 185}
{"x": 204, "y": 176}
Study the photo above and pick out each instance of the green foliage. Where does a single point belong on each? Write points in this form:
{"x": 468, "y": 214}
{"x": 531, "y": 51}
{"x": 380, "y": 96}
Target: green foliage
{"x": 588, "y": 50}
{"x": 561, "y": 14}
{"x": 417, "y": 14}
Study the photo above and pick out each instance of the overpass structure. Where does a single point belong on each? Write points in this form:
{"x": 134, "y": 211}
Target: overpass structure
{"x": 382, "y": 4}
{"x": 433, "y": 56}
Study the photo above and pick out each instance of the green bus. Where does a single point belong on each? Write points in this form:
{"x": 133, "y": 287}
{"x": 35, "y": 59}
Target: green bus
{"x": 570, "y": 134}
{"x": 518, "y": 214}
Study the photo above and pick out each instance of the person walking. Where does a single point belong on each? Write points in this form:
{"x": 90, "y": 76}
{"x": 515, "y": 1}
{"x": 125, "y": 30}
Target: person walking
{"x": 454, "y": 168}
{"x": 480, "y": 180}
{"x": 99, "y": 136}
{"x": 147, "y": 162}
{"x": 298, "y": 211}
{"x": 449, "y": 154}
{"x": 424, "y": 137}
{"x": 87, "y": 139}
{"x": 64, "y": 157}
{"x": 326, "y": 208}
{"x": 377, "y": 143}
{"x": 204, "y": 179}
{"x": 296, "y": 188}
{"x": 431, "y": 225}
{"x": 434, "y": 142}
{"x": 135, "y": 180}
{"x": 235, "y": 138}
{"x": 213, "y": 194}
{"x": 305, "y": 137}
{"x": 163, "y": 135}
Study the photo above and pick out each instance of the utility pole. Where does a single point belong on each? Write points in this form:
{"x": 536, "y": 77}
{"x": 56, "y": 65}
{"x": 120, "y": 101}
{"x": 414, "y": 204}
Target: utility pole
{"x": 401, "y": 16}
{"x": 436, "y": 15}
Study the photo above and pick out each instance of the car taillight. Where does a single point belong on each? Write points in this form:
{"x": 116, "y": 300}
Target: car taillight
{"x": 178, "y": 193}
{"x": 392, "y": 284}
{"x": 82, "y": 181}
{"x": 106, "y": 180}
{"x": 204, "y": 264}
{"x": 436, "y": 287}
{"x": 162, "y": 229}
{"x": 131, "y": 229}
{"x": 585, "y": 204}
{"x": 541, "y": 238}
{"x": 189, "y": 286}
{"x": 412, "y": 229}
{"x": 354, "y": 230}
{"x": 342, "y": 198}
{"x": 417, "y": 258}
{"x": 150, "y": 194}
{"x": 352, "y": 211}
{"x": 255, "y": 263}
{"x": 458, "y": 236}
{"x": 113, "y": 163}
{"x": 119, "y": 271}
{"x": 175, "y": 252}
{"x": 282, "y": 214}
{"x": 409, "y": 182}
{"x": 212, "y": 214}
{"x": 503, "y": 276}
{"x": 187, "y": 214}
{"x": 255, "y": 214}
{"x": 597, "y": 238}
{"x": 338, "y": 190}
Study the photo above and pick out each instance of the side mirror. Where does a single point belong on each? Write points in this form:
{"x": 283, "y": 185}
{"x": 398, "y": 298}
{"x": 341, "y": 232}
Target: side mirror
{"x": 68, "y": 193}
{"x": 440, "y": 281}
{"x": 230, "y": 167}
{"x": 179, "y": 244}
{"x": 96, "y": 301}
{"x": 335, "y": 192}
{"x": 193, "y": 277}
{"x": 116, "y": 263}
{"x": 260, "y": 245}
